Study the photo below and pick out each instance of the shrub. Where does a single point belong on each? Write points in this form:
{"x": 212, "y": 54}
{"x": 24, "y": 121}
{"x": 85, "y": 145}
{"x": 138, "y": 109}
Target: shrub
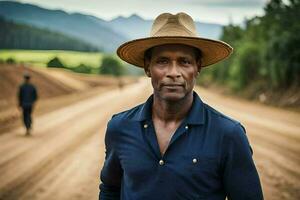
{"x": 82, "y": 68}
{"x": 10, "y": 61}
{"x": 55, "y": 62}
{"x": 112, "y": 66}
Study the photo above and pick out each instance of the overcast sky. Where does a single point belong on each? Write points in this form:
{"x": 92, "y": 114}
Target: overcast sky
{"x": 216, "y": 11}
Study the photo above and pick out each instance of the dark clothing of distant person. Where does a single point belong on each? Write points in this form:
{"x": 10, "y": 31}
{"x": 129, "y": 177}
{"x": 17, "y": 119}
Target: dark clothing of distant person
{"x": 27, "y": 96}
{"x": 209, "y": 157}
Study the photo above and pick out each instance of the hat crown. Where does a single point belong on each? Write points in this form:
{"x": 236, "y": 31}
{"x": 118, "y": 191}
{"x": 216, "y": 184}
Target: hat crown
{"x": 168, "y": 24}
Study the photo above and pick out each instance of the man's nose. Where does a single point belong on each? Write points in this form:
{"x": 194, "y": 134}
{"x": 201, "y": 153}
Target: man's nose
{"x": 173, "y": 70}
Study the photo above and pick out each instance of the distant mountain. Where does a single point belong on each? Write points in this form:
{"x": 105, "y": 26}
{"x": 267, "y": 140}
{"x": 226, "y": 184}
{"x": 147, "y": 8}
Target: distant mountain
{"x": 209, "y": 30}
{"x": 84, "y": 27}
{"x": 107, "y": 35}
{"x": 132, "y": 27}
{"x": 20, "y": 36}
{"x": 137, "y": 27}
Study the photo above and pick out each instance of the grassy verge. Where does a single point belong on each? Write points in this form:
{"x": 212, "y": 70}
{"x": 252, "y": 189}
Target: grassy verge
{"x": 42, "y": 57}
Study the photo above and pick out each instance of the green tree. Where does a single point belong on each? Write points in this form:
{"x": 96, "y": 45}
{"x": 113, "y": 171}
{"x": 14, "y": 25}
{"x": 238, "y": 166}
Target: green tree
{"x": 82, "y": 68}
{"x": 20, "y": 36}
{"x": 55, "y": 62}
{"x": 266, "y": 50}
{"x": 246, "y": 66}
{"x": 10, "y": 61}
{"x": 110, "y": 65}
{"x": 282, "y": 54}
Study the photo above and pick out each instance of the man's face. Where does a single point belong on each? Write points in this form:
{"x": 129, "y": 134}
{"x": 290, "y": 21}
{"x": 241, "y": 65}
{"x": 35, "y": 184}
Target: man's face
{"x": 173, "y": 69}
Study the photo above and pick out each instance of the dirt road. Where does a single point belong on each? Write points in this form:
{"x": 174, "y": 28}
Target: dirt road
{"x": 63, "y": 157}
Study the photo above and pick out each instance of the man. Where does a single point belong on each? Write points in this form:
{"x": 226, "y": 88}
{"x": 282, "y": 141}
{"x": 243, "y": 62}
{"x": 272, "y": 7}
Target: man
{"x": 174, "y": 146}
{"x": 27, "y": 96}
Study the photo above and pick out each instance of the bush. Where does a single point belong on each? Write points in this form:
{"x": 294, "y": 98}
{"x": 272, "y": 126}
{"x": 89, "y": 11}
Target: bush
{"x": 10, "y": 61}
{"x": 245, "y": 68}
{"x": 55, "y": 62}
{"x": 112, "y": 66}
{"x": 82, "y": 68}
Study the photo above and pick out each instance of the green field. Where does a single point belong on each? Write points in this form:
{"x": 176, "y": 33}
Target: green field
{"x": 42, "y": 57}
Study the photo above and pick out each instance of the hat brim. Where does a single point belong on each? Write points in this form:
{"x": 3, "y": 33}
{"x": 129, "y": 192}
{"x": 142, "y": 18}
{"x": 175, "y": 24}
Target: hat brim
{"x": 213, "y": 51}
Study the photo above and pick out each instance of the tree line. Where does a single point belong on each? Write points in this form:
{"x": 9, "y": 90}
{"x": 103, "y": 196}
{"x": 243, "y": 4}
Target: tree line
{"x": 20, "y": 36}
{"x": 266, "y": 51}
{"x": 109, "y": 66}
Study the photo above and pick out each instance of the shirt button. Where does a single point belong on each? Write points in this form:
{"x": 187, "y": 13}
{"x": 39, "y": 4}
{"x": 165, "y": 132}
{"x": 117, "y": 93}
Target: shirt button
{"x": 186, "y": 127}
{"x": 161, "y": 162}
{"x": 145, "y": 125}
{"x": 195, "y": 160}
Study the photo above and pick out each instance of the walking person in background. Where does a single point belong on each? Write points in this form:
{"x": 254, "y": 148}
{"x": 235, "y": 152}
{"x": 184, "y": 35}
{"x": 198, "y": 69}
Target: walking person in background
{"x": 27, "y": 96}
{"x": 174, "y": 146}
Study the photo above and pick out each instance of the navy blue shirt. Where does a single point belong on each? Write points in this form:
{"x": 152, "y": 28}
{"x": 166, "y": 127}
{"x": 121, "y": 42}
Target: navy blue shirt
{"x": 208, "y": 157}
{"x": 27, "y": 95}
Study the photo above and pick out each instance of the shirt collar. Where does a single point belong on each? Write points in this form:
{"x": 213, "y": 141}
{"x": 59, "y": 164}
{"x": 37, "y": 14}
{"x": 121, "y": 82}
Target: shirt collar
{"x": 194, "y": 116}
{"x": 145, "y": 113}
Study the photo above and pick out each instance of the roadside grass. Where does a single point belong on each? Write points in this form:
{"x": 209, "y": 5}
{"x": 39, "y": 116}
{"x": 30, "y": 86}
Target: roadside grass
{"x": 41, "y": 57}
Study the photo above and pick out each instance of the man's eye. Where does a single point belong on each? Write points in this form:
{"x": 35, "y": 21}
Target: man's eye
{"x": 162, "y": 61}
{"x": 185, "y": 62}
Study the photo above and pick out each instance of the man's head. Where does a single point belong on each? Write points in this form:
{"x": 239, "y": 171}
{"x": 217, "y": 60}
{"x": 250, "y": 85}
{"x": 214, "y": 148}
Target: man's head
{"x": 173, "y": 69}
{"x": 173, "y": 55}
{"x": 26, "y": 76}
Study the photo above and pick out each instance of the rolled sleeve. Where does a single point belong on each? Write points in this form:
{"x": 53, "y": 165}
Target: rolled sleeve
{"x": 111, "y": 173}
{"x": 241, "y": 180}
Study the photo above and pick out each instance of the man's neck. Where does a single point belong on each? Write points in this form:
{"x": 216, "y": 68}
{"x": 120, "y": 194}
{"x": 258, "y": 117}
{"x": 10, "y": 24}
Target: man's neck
{"x": 171, "y": 111}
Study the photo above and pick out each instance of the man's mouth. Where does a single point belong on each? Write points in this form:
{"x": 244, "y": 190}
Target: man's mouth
{"x": 172, "y": 85}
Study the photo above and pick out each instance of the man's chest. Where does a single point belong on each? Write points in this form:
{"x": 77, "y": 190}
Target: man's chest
{"x": 186, "y": 156}
{"x": 164, "y": 133}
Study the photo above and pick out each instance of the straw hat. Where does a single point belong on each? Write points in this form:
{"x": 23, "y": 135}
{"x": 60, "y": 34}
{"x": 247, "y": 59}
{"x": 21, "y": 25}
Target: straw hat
{"x": 174, "y": 29}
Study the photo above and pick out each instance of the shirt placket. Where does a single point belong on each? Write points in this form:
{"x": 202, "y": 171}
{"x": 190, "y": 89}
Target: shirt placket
{"x": 151, "y": 138}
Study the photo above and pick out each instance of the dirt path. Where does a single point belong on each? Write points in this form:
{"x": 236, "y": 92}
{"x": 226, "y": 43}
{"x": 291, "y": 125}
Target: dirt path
{"x": 63, "y": 158}
{"x": 10, "y": 117}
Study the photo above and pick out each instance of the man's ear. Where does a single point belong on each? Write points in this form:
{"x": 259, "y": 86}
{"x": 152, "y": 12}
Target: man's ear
{"x": 147, "y": 71}
{"x": 146, "y": 68}
{"x": 199, "y": 66}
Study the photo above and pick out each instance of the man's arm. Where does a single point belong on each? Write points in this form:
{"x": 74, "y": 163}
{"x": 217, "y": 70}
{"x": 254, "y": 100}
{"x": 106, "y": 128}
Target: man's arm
{"x": 241, "y": 180}
{"x": 34, "y": 97}
{"x": 20, "y": 96}
{"x": 35, "y": 94}
{"x": 111, "y": 173}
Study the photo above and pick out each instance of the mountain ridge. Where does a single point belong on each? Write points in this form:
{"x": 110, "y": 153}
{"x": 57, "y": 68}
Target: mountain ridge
{"x": 106, "y": 35}
{"x": 23, "y": 36}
